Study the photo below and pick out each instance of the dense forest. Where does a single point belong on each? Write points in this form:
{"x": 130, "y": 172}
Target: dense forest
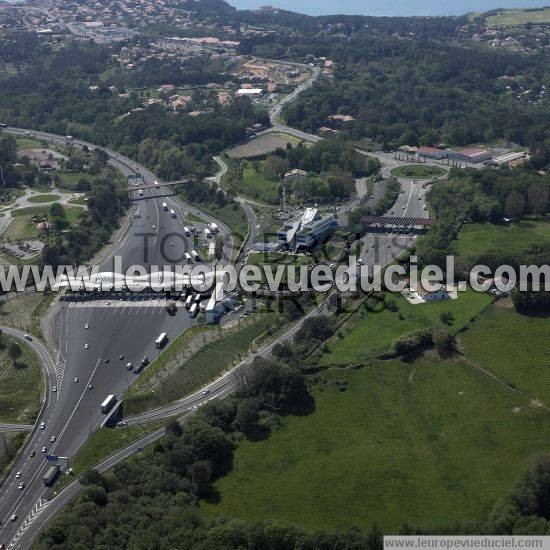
{"x": 426, "y": 93}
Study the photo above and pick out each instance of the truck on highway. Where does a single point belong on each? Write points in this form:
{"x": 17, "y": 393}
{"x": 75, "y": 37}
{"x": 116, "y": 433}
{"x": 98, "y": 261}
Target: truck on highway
{"x": 187, "y": 231}
{"x": 160, "y": 342}
{"x": 195, "y": 255}
{"x": 188, "y": 258}
{"x": 108, "y": 404}
{"x": 51, "y": 475}
{"x": 172, "y": 213}
{"x": 194, "y": 310}
{"x": 165, "y": 207}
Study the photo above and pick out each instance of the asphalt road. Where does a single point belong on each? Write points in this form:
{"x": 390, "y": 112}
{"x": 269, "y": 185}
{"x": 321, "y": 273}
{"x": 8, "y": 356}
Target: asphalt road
{"x": 127, "y": 328}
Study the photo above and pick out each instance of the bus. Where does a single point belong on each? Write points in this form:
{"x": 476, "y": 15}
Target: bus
{"x": 188, "y": 258}
{"x": 194, "y": 310}
{"x": 195, "y": 255}
{"x": 160, "y": 342}
{"x": 108, "y": 404}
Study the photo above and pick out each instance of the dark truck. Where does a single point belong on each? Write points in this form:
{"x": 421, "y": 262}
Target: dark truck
{"x": 51, "y": 475}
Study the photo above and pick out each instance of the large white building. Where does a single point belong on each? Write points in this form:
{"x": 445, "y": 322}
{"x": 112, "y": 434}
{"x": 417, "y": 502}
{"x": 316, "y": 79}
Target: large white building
{"x": 249, "y": 92}
{"x": 306, "y": 230}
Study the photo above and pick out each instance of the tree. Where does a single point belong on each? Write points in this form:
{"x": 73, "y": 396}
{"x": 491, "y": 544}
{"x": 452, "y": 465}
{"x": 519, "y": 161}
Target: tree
{"x": 446, "y": 317}
{"x": 537, "y": 199}
{"x": 515, "y": 206}
{"x": 14, "y": 351}
{"x": 246, "y": 419}
{"x": 443, "y": 341}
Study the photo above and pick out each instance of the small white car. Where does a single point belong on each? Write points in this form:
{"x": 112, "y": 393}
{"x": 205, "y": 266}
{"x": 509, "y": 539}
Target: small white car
{"x": 86, "y": 346}
{"x": 21, "y": 486}
{"x": 52, "y": 438}
{"x": 75, "y": 379}
{"x": 13, "y": 517}
{"x": 42, "y": 425}
{"x": 44, "y": 450}
{"x": 86, "y": 325}
{"x": 206, "y": 392}
{"x": 17, "y": 475}
{"x": 54, "y": 389}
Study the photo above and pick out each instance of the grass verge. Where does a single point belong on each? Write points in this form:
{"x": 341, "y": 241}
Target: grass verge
{"x": 156, "y": 388}
{"x": 21, "y": 386}
{"x": 420, "y": 171}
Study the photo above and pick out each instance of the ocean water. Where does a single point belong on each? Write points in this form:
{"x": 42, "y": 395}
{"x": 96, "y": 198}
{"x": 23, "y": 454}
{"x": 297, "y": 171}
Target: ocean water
{"x": 393, "y": 8}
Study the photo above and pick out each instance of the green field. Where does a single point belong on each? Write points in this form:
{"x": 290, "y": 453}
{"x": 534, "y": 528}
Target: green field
{"x": 27, "y": 143}
{"x": 199, "y": 369}
{"x": 69, "y": 180}
{"x": 374, "y": 332}
{"x": 428, "y": 443}
{"x": 514, "y": 347}
{"x": 21, "y": 387}
{"x": 476, "y": 239}
{"x": 257, "y": 186}
{"x": 519, "y": 17}
{"x": 43, "y": 198}
{"x": 23, "y": 226}
{"x": 420, "y": 171}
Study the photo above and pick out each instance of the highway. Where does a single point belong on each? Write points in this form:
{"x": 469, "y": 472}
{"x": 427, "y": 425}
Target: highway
{"x": 92, "y": 341}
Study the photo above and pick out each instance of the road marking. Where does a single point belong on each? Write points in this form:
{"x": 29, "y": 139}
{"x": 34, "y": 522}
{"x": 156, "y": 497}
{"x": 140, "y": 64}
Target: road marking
{"x": 40, "y": 505}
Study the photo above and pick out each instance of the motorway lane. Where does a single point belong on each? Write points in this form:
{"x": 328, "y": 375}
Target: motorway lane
{"x": 24, "y": 463}
{"x": 72, "y": 412}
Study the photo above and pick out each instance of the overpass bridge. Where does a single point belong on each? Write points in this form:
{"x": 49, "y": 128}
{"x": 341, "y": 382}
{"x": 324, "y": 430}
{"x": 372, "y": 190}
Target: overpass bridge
{"x": 144, "y": 186}
{"x": 393, "y": 223}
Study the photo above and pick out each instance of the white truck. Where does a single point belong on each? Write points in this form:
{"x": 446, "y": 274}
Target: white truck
{"x": 195, "y": 255}
{"x": 194, "y": 310}
{"x": 208, "y": 233}
{"x": 165, "y": 207}
{"x": 214, "y": 227}
{"x": 108, "y": 404}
